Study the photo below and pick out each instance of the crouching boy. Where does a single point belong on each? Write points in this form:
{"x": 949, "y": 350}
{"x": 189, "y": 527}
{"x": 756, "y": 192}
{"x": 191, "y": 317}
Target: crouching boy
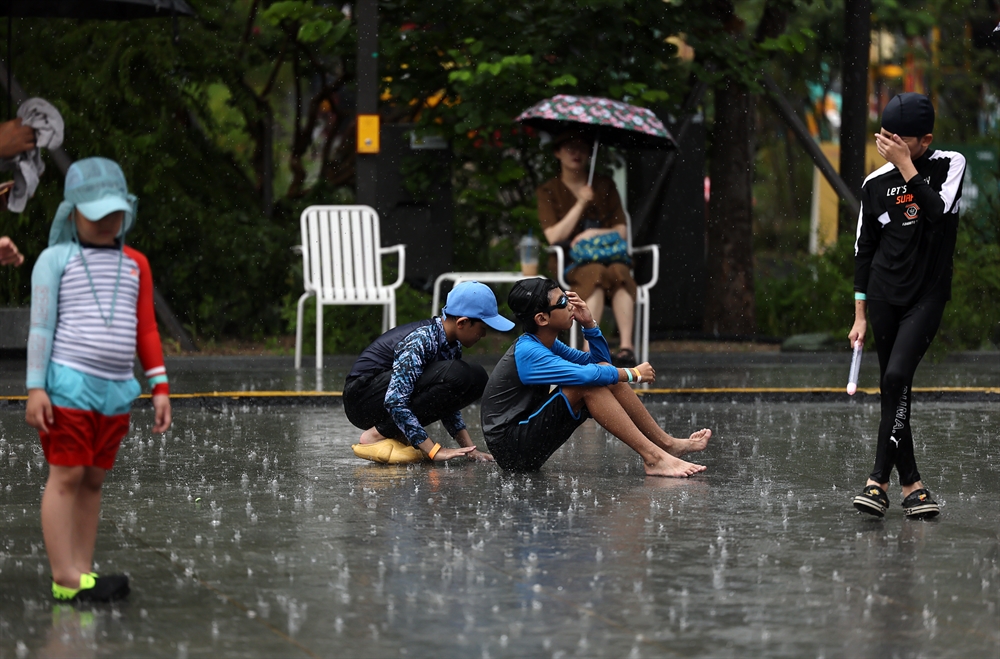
{"x": 414, "y": 375}
{"x": 542, "y": 390}
{"x": 91, "y": 311}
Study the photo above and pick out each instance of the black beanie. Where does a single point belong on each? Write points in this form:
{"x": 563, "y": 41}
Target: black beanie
{"x": 909, "y": 115}
{"x": 529, "y": 296}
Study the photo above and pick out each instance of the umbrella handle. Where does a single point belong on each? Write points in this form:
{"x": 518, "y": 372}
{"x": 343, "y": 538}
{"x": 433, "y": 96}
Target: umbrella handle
{"x": 593, "y": 160}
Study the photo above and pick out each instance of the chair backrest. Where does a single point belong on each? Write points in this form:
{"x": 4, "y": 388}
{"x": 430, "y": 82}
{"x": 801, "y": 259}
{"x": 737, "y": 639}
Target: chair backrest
{"x": 340, "y": 252}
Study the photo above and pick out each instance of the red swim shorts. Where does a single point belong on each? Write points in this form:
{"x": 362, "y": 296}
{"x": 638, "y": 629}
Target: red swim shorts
{"x": 82, "y": 438}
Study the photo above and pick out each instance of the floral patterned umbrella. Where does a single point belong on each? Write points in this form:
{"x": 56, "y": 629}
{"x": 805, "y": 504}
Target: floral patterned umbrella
{"x": 612, "y": 122}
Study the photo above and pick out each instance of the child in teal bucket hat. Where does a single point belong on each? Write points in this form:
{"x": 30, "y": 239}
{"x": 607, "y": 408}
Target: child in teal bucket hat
{"x": 91, "y": 312}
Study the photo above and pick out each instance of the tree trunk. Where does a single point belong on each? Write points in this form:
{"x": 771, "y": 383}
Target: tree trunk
{"x": 730, "y": 302}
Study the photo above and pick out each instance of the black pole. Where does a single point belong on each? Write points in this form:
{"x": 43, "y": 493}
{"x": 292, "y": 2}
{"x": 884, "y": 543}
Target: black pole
{"x": 10, "y": 65}
{"x": 854, "y": 111}
{"x": 643, "y": 224}
{"x": 366, "y": 167}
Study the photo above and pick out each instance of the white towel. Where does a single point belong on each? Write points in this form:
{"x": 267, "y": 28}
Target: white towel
{"x": 28, "y": 166}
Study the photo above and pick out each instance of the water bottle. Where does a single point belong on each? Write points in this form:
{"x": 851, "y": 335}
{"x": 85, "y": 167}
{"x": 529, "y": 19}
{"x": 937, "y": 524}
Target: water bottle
{"x": 528, "y": 248}
{"x": 852, "y": 379}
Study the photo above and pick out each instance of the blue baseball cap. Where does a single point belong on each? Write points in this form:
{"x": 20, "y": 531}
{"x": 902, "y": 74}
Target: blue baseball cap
{"x": 96, "y": 187}
{"x": 474, "y": 300}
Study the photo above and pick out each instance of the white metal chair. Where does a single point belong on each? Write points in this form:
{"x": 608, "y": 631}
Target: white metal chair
{"x": 641, "y": 326}
{"x": 342, "y": 264}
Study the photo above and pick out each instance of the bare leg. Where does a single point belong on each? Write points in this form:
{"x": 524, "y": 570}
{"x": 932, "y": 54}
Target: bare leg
{"x": 596, "y": 304}
{"x": 907, "y": 489}
{"x": 86, "y": 514}
{"x": 645, "y": 422}
{"x": 623, "y": 306}
{"x": 371, "y": 436}
{"x": 608, "y": 412}
{"x": 58, "y": 510}
{"x": 884, "y": 486}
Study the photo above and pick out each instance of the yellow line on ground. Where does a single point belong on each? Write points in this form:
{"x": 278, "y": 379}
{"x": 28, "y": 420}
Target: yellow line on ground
{"x": 808, "y": 390}
{"x": 255, "y": 394}
{"x": 641, "y": 392}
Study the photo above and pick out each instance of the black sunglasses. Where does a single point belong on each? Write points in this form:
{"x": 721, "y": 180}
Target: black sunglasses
{"x": 562, "y": 303}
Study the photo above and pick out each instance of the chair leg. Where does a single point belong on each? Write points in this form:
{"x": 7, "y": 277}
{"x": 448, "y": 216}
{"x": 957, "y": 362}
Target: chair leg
{"x": 392, "y": 311}
{"x": 645, "y": 331}
{"x": 298, "y": 328}
{"x": 574, "y": 336}
{"x": 637, "y": 329}
{"x": 319, "y": 334}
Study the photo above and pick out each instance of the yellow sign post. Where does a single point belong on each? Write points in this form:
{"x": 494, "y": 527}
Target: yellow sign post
{"x": 368, "y": 132}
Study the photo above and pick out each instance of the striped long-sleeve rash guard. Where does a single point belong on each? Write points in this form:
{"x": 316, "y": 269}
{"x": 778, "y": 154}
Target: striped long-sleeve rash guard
{"x": 907, "y": 230}
{"x": 73, "y": 291}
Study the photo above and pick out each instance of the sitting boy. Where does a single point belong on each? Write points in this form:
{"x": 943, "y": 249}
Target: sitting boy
{"x": 91, "y": 312}
{"x": 413, "y": 375}
{"x": 525, "y": 420}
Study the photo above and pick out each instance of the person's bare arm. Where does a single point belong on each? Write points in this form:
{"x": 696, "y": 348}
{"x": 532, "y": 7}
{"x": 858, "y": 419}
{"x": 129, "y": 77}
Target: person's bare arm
{"x": 444, "y": 454}
{"x": 38, "y": 412}
{"x": 9, "y": 255}
{"x": 860, "y": 327}
{"x": 895, "y": 151}
{"x": 465, "y": 441}
{"x": 162, "y": 413}
{"x": 15, "y": 138}
{"x": 563, "y": 229}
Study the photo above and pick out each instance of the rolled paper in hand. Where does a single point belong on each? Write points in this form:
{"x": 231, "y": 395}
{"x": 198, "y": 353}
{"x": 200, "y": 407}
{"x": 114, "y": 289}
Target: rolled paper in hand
{"x": 852, "y": 379}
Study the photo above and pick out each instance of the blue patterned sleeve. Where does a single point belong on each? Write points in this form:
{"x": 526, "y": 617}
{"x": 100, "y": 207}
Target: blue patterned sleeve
{"x": 453, "y": 424}
{"x": 412, "y": 355}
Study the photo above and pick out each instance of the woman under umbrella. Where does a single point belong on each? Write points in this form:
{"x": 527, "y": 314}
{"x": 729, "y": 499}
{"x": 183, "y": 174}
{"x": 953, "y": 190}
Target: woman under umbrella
{"x": 571, "y": 211}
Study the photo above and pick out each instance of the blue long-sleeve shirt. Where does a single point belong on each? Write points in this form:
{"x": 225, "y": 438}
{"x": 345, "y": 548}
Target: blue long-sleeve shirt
{"x": 521, "y": 381}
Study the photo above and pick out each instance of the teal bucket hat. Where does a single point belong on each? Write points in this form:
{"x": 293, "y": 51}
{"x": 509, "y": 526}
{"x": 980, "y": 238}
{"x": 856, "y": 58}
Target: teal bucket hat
{"x": 95, "y": 187}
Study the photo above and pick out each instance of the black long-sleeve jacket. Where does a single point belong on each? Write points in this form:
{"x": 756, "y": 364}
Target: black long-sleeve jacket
{"x": 907, "y": 230}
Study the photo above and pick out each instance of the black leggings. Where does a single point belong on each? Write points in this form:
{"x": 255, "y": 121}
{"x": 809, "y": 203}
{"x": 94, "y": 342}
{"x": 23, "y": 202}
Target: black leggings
{"x": 902, "y": 335}
{"x": 443, "y": 388}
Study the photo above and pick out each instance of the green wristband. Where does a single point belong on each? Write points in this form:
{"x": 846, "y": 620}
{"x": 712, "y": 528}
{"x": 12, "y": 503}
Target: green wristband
{"x": 860, "y": 296}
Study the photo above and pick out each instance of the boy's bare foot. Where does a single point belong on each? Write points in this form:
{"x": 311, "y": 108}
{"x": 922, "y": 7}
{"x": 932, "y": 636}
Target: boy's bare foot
{"x": 371, "y": 436}
{"x": 672, "y": 467}
{"x": 696, "y": 442}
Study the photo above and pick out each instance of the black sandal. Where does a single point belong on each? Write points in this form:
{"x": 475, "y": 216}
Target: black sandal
{"x": 624, "y": 359}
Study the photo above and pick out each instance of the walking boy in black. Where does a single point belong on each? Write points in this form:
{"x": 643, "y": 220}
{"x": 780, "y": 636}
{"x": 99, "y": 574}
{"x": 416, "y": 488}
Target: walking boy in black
{"x": 902, "y": 278}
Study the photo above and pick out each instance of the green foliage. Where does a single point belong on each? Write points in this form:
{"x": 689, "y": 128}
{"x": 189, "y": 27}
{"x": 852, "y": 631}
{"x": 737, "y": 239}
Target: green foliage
{"x": 815, "y": 293}
{"x": 807, "y": 293}
{"x": 319, "y": 25}
{"x": 189, "y": 121}
{"x": 490, "y": 62}
{"x": 349, "y": 329}
{"x": 176, "y": 116}
{"x": 972, "y": 319}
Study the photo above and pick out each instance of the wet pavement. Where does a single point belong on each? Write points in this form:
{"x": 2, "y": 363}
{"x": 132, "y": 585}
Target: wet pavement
{"x": 674, "y": 370}
{"x": 259, "y": 534}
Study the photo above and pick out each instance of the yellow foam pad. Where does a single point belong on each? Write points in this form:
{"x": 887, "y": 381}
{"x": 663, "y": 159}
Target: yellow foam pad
{"x": 389, "y": 451}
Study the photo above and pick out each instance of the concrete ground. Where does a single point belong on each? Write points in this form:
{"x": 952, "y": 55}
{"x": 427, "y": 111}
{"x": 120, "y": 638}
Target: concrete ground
{"x": 253, "y": 531}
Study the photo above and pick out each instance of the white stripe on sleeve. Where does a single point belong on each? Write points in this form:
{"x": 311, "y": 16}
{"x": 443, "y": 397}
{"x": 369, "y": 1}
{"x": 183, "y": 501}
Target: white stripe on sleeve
{"x": 956, "y": 172}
